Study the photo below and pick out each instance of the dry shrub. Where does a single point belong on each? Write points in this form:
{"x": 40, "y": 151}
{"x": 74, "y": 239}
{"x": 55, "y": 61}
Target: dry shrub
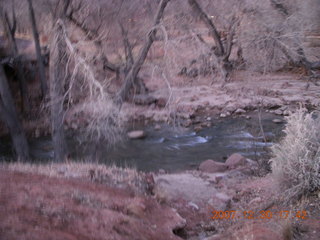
{"x": 105, "y": 121}
{"x": 296, "y": 162}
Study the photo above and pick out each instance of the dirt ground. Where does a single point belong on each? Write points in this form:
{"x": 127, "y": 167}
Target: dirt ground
{"x": 88, "y": 201}
{"x": 40, "y": 207}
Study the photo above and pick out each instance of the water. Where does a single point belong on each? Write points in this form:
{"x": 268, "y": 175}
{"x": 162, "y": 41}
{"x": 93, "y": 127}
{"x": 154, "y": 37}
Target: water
{"x": 174, "y": 149}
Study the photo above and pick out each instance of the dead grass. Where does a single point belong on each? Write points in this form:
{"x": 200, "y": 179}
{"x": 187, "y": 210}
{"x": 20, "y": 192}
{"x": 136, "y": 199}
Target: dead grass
{"x": 124, "y": 178}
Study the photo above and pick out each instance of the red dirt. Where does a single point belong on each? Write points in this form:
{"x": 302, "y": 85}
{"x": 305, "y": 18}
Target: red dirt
{"x": 38, "y": 207}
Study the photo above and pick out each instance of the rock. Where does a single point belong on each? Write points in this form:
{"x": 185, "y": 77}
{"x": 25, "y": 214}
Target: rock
{"x": 256, "y": 200}
{"x": 185, "y": 115}
{"x": 161, "y": 102}
{"x": 37, "y": 133}
{"x": 278, "y": 121}
{"x": 194, "y": 98}
{"x": 137, "y": 134}
{"x": 240, "y": 111}
{"x": 143, "y": 99}
{"x": 197, "y": 128}
{"x": 248, "y": 117}
{"x": 208, "y": 118}
{"x": 235, "y": 160}
{"x": 286, "y": 112}
{"x": 193, "y": 205}
{"x": 220, "y": 202}
{"x": 157, "y": 127}
{"x": 278, "y": 112}
{"x": 223, "y": 115}
{"x": 197, "y": 120}
{"x": 211, "y": 166}
{"x": 187, "y": 123}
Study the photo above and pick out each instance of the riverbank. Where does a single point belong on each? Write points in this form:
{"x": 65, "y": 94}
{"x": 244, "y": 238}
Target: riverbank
{"x": 63, "y": 199}
{"x": 194, "y": 105}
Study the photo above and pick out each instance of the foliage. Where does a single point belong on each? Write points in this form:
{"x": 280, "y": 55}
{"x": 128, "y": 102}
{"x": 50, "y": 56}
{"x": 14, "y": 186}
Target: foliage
{"x": 296, "y": 162}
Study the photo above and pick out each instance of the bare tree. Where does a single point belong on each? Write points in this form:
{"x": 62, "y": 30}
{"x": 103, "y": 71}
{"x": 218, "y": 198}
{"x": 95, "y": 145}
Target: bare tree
{"x": 131, "y": 77}
{"x": 9, "y": 116}
{"x": 301, "y": 59}
{"x": 10, "y": 30}
{"x": 221, "y": 52}
{"x": 57, "y": 75}
{"x": 41, "y": 68}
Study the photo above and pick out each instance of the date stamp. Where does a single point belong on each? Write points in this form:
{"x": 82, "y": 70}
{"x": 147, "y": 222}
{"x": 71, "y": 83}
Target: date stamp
{"x": 263, "y": 215}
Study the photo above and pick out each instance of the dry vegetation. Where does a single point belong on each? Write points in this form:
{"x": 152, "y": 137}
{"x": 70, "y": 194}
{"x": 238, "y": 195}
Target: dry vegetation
{"x": 296, "y": 161}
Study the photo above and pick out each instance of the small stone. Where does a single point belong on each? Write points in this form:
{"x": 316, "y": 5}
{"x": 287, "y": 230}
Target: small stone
{"x": 211, "y": 166}
{"x": 248, "y": 117}
{"x": 240, "y": 111}
{"x": 193, "y": 205}
{"x": 278, "y": 112}
{"x": 197, "y": 128}
{"x": 74, "y": 126}
{"x": 187, "y": 123}
{"x": 255, "y": 201}
{"x": 278, "y": 121}
{"x": 37, "y": 133}
{"x": 161, "y": 102}
{"x": 208, "y": 118}
{"x": 138, "y": 134}
{"x": 157, "y": 127}
{"x": 286, "y": 112}
{"x": 194, "y": 98}
{"x": 223, "y": 115}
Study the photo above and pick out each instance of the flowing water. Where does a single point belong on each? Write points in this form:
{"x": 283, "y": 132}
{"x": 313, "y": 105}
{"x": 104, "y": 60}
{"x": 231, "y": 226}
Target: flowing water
{"x": 174, "y": 149}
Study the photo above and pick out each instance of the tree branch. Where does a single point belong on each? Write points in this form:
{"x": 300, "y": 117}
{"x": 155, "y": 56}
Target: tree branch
{"x": 212, "y": 29}
{"x": 132, "y": 75}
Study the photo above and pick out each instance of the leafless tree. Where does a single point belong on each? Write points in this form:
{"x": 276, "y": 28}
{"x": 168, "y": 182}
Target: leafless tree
{"x": 57, "y": 75}
{"x": 10, "y": 30}
{"x": 41, "y": 67}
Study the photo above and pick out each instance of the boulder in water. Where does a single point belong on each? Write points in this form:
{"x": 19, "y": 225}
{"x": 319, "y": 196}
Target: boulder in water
{"x": 137, "y": 134}
{"x": 211, "y": 166}
{"x": 235, "y": 160}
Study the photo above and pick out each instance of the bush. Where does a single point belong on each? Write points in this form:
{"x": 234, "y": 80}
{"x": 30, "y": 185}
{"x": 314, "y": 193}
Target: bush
{"x": 296, "y": 162}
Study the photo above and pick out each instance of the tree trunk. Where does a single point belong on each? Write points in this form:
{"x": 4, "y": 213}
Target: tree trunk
{"x": 131, "y": 77}
{"x": 41, "y": 68}
{"x": 10, "y": 33}
{"x": 212, "y": 29}
{"x": 9, "y": 116}
{"x": 221, "y": 53}
{"x": 57, "y": 75}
